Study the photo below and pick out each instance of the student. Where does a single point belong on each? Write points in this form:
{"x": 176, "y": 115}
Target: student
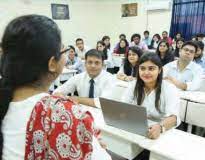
{"x": 74, "y": 62}
{"x": 81, "y": 48}
{"x": 136, "y": 41}
{"x": 122, "y": 51}
{"x": 178, "y": 35}
{"x": 164, "y": 53}
{"x": 147, "y": 40}
{"x": 32, "y": 59}
{"x": 121, "y": 36}
{"x": 184, "y": 73}
{"x": 127, "y": 72}
{"x": 106, "y": 40}
{"x": 89, "y": 84}
{"x": 199, "y": 57}
{"x": 154, "y": 93}
{"x": 179, "y": 43}
{"x": 123, "y": 47}
{"x": 166, "y": 38}
{"x": 107, "y": 56}
{"x": 155, "y": 41}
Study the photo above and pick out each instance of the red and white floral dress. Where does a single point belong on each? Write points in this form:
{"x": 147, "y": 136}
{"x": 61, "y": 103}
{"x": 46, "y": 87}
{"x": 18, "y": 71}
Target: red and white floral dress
{"x": 58, "y": 130}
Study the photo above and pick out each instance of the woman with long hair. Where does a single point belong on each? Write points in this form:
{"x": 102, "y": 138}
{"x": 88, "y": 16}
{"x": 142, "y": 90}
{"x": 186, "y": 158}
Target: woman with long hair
{"x": 107, "y": 56}
{"x": 128, "y": 70}
{"x": 179, "y": 43}
{"x": 122, "y": 48}
{"x": 152, "y": 92}
{"x": 164, "y": 53}
{"x": 34, "y": 124}
{"x": 155, "y": 41}
{"x": 106, "y": 40}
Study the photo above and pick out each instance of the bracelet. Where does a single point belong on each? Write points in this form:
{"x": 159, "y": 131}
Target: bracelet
{"x": 163, "y": 129}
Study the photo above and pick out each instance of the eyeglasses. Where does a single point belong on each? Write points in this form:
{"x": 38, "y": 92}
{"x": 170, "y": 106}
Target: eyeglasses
{"x": 64, "y": 51}
{"x": 188, "y": 50}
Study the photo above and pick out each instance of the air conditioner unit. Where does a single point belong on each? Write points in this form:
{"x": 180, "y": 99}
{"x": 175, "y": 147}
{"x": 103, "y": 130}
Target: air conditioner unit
{"x": 164, "y": 5}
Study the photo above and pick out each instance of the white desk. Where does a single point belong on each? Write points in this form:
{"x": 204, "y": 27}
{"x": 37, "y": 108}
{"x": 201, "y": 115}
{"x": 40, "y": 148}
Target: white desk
{"x": 64, "y": 76}
{"x": 117, "y": 59}
{"x": 195, "y": 108}
{"x": 172, "y": 145}
{"x": 193, "y": 96}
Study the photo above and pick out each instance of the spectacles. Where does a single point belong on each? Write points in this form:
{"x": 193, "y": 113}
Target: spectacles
{"x": 64, "y": 51}
{"x": 188, "y": 50}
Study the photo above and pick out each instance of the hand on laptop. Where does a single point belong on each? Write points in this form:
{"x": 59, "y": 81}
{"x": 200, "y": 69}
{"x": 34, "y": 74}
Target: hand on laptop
{"x": 154, "y": 131}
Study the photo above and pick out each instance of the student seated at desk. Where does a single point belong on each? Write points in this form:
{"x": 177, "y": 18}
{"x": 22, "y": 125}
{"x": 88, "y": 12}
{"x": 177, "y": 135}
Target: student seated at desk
{"x": 74, "y": 62}
{"x": 33, "y": 124}
{"x": 164, "y": 52}
{"x": 107, "y": 56}
{"x": 127, "y": 72}
{"x": 89, "y": 84}
{"x": 184, "y": 73}
{"x": 154, "y": 93}
{"x": 81, "y": 48}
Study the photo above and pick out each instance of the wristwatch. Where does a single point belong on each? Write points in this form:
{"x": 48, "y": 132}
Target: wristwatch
{"x": 163, "y": 129}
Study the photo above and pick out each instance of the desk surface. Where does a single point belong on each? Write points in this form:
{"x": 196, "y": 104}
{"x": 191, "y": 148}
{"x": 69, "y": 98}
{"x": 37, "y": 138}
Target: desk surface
{"x": 194, "y": 96}
{"x": 66, "y": 70}
{"x": 173, "y": 144}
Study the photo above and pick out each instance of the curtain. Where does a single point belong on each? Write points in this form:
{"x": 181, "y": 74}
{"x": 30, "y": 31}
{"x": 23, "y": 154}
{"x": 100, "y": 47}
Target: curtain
{"x": 188, "y": 18}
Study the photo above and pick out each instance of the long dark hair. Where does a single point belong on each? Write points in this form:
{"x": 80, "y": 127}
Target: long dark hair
{"x": 104, "y": 38}
{"x": 152, "y": 41}
{"x": 176, "y": 51}
{"x": 139, "y": 92}
{"x": 28, "y": 43}
{"x": 168, "y": 57}
{"x": 105, "y": 56}
{"x": 128, "y": 66}
{"x": 124, "y": 50}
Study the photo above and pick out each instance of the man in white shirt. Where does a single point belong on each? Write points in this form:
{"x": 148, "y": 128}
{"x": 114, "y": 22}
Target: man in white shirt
{"x": 89, "y": 84}
{"x": 81, "y": 48}
{"x": 184, "y": 73}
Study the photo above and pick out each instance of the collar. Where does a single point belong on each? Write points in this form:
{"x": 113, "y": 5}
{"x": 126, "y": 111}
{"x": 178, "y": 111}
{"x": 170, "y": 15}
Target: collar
{"x": 97, "y": 78}
{"x": 188, "y": 67}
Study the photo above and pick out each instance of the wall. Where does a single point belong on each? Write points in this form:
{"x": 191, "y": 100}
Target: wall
{"x": 91, "y": 19}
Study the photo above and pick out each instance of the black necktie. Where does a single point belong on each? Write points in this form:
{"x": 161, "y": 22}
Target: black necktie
{"x": 91, "y": 91}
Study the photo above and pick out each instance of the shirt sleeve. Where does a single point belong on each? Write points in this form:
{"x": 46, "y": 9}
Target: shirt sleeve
{"x": 77, "y": 65}
{"x": 172, "y": 103}
{"x": 68, "y": 87}
{"x": 144, "y": 47}
{"x": 121, "y": 70}
{"x": 128, "y": 96}
{"x": 195, "y": 84}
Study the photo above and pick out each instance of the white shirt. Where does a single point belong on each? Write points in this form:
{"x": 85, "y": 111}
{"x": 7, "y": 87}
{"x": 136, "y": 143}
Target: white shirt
{"x": 109, "y": 61}
{"x": 169, "y": 101}
{"x": 191, "y": 75}
{"x": 81, "y": 54}
{"x": 14, "y": 130}
{"x": 81, "y": 84}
